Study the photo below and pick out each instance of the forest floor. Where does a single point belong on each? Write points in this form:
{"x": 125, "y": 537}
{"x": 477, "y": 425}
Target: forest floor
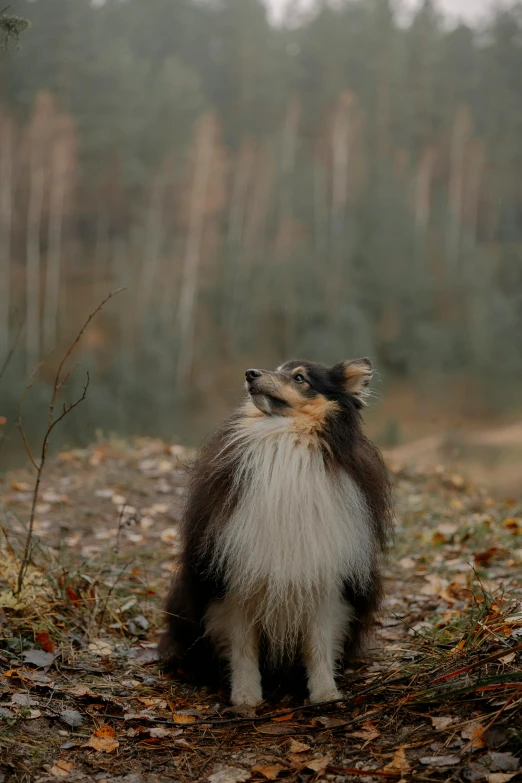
{"x": 437, "y": 697}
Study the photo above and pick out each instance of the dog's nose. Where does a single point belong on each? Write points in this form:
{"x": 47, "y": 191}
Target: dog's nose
{"x": 251, "y": 374}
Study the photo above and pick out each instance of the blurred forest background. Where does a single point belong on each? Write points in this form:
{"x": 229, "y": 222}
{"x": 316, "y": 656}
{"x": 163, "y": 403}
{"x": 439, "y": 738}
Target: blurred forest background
{"x": 350, "y": 184}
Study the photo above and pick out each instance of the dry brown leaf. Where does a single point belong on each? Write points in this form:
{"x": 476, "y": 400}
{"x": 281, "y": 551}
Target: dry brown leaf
{"x": 229, "y": 775}
{"x": 283, "y": 718}
{"x": 161, "y": 732}
{"x": 440, "y": 761}
{"x": 500, "y": 777}
{"x": 367, "y": 733}
{"x": 268, "y": 771}
{"x": 399, "y": 762}
{"x": 298, "y": 747}
{"x": 21, "y": 486}
{"x": 101, "y": 647}
{"x": 279, "y": 729}
{"x": 103, "y": 740}
{"x": 178, "y": 718}
{"x": 62, "y": 768}
{"x": 153, "y": 702}
{"x": 441, "y": 722}
{"x": 319, "y": 765}
{"x": 473, "y": 732}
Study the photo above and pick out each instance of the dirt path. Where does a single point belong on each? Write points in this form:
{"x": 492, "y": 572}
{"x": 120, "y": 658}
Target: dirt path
{"x": 438, "y": 695}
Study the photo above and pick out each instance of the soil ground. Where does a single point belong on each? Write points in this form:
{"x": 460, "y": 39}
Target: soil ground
{"x": 436, "y": 697}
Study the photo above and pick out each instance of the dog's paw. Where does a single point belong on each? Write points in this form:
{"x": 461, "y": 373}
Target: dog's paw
{"x": 327, "y": 694}
{"x": 246, "y": 698}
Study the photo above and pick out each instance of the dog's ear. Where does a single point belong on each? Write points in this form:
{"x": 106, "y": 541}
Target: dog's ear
{"x": 354, "y": 375}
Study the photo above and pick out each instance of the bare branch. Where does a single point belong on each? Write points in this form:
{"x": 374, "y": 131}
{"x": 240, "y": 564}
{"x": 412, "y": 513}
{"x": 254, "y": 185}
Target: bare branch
{"x": 58, "y": 381}
{"x": 52, "y": 423}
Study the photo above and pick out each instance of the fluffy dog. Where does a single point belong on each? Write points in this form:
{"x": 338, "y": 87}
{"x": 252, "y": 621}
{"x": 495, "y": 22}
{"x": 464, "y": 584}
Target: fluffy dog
{"x": 288, "y": 513}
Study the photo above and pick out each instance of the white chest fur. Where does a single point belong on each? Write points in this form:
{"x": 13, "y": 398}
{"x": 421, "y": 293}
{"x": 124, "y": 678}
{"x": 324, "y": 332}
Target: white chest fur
{"x": 298, "y": 530}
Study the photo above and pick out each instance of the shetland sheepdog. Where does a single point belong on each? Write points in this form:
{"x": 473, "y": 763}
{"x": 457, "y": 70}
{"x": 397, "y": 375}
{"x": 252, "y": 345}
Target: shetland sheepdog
{"x": 287, "y": 516}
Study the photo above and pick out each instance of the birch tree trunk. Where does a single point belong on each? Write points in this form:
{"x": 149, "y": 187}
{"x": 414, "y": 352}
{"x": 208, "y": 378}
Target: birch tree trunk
{"x": 191, "y": 262}
{"x": 54, "y": 255}
{"x": 459, "y": 137}
{"x": 154, "y": 237}
{"x": 238, "y": 205}
{"x": 6, "y": 157}
{"x": 422, "y": 205}
{"x": 34, "y": 219}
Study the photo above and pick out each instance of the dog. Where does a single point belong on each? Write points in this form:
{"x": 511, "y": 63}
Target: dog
{"x": 288, "y": 514}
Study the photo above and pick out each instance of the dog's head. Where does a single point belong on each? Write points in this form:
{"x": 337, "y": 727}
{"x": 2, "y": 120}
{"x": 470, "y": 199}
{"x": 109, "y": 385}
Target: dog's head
{"x": 300, "y": 387}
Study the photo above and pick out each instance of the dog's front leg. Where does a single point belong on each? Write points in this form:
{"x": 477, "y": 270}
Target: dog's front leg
{"x": 323, "y": 643}
{"x": 236, "y": 638}
{"x": 245, "y": 677}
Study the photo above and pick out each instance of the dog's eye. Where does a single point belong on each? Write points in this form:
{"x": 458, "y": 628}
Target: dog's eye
{"x": 299, "y": 378}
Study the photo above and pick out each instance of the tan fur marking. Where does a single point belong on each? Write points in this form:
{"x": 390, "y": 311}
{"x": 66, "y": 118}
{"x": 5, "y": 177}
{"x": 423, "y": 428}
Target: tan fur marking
{"x": 309, "y": 417}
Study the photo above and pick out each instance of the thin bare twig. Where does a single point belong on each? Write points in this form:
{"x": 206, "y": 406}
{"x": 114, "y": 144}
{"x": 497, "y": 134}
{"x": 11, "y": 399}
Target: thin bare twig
{"x": 59, "y": 380}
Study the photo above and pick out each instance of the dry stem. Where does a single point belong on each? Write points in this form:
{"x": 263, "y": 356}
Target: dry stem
{"x": 59, "y": 381}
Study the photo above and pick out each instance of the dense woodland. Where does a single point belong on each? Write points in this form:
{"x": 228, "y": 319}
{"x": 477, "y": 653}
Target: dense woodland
{"x": 345, "y": 185}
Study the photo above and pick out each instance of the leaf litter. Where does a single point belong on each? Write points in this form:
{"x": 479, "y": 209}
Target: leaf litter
{"x": 438, "y": 694}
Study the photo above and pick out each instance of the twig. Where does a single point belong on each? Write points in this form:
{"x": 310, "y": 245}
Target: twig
{"x": 369, "y": 772}
{"x": 59, "y": 380}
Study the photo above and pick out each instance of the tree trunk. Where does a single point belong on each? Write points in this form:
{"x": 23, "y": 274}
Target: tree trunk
{"x": 6, "y": 157}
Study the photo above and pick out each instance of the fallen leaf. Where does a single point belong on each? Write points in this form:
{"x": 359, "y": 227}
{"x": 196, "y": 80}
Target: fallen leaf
{"x": 101, "y": 648}
{"x": 507, "y": 658}
{"x": 399, "y": 762}
{"x": 62, "y": 768}
{"x": 39, "y": 658}
{"x": 3, "y": 420}
{"x": 229, "y": 775}
{"x": 504, "y": 762}
{"x": 512, "y": 524}
{"x": 23, "y": 700}
{"x": 298, "y": 747}
{"x": 279, "y": 729}
{"x": 441, "y": 722}
{"x": 161, "y": 732}
{"x": 319, "y": 765}
{"x": 103, "y": 740}
{"x": 72, "y": 595}
{"x": 473, "y": 772}
{"x": 179, "y": 718}
{"x": 71, "y": 718}
{"x": 283, "y": 718}
{"x": 80, "y": 691}
{"x": 169, "y": 535}
{"x": 45, "y": 641}
{"x": 473, "y": 732}
{"x": 485, "y": 557}
{"x": 367, "y": 734}
{"x": 447, "y": 530}
{"x": 269, "y": 771}
{"x": 440, "y": 761}
{"x": 154, "y": 701}
{"x": 21, "y": 486}
{"x": 500, "y": 777}
{"x": 330, "y": 723}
